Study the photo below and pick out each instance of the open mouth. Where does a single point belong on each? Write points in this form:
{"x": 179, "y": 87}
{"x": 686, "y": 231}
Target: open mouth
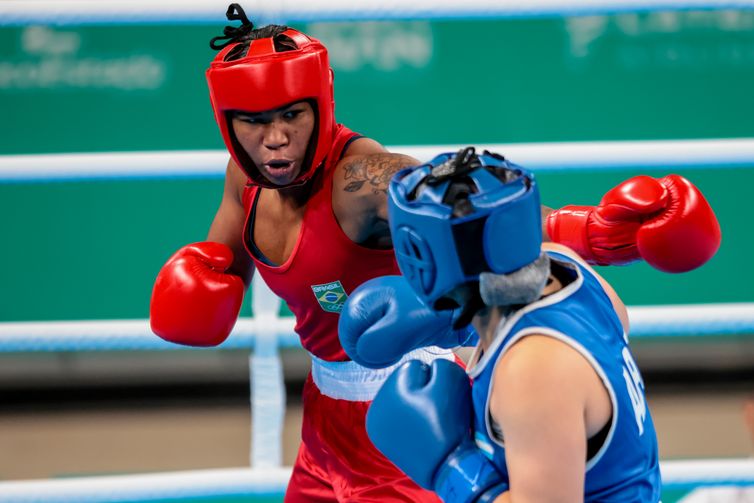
{"x": 280, "y": 169}
{"x": 279, "y": 165}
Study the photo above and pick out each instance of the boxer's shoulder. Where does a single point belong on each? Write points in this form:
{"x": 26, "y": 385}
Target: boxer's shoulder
{"x": 367, "y": 169}
{"x": 360, "y": 188}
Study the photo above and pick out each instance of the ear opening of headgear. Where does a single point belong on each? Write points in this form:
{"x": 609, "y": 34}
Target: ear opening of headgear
{"x": 265, "y": 69}
{"x": 461, "y": 215}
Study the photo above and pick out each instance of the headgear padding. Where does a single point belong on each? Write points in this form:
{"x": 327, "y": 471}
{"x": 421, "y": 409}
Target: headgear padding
{"x": 459, "y": 216}
{"x": 265, "y": 79}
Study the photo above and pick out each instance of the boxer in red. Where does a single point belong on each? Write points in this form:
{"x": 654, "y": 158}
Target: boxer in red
{"x": 304, "y": 204}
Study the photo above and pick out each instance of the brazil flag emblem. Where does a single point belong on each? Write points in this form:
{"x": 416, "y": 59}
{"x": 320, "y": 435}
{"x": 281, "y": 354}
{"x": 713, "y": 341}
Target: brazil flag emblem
{"x": 331, "y": 296}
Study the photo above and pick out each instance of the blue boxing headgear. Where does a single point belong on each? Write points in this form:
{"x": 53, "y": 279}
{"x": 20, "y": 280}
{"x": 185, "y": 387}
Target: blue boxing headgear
{"x": 461, "y": 215}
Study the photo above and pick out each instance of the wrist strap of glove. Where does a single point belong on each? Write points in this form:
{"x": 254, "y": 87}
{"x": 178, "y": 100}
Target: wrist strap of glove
{"x": 568, "y": 226}
{"x": 467, "y": 476}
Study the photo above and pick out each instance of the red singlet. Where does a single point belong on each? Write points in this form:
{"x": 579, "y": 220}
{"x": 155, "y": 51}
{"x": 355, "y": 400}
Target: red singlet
{"x": 336, "y": 461}
{"x": 325, "y": 265}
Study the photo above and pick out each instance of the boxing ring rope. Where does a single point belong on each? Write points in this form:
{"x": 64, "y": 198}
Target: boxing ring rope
{"x": 270, "y": 482}
{"x": 21, "y": 12}
{"x": 691, "y": 320}
{"x": 540, "y": 157}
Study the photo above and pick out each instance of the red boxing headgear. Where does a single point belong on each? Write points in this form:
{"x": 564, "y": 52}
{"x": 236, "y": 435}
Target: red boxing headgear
{"x": 266, "y": 79}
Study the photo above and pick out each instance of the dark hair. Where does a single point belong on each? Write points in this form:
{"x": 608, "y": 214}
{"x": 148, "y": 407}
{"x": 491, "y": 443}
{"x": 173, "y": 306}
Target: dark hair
{"x": 244, "y": 34}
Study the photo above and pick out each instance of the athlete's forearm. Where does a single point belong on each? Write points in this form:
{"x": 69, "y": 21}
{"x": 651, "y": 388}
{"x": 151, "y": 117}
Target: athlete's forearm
{"x": 546, "y": 210}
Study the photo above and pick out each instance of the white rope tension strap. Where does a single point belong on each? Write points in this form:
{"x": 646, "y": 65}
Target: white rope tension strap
{"x": 541, "y": 157}
{"x": 149, "y": 487}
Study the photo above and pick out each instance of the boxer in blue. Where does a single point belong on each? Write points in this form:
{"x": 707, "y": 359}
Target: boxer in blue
{"x": 557, "y": 410}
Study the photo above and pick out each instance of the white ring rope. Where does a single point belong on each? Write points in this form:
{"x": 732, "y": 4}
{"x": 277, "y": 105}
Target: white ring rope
{"x": 695, "y": 472}
{"x": 18, "y": 12}
{"x": 248, "y": 482}
{"x": 541, "y": 157}
{"x": 120, "y": 335}
{"x": 149, "y": 487}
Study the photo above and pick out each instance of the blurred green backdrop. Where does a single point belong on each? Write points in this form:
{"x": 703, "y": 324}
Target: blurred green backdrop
{"x": 89, "y": 250}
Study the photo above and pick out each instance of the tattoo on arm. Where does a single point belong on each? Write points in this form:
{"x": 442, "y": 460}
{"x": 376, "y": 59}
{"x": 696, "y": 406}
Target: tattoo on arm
{"x": 375, "y": 171}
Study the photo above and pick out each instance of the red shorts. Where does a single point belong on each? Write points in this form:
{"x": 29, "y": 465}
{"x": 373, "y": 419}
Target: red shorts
{"x": 337, "y": 461}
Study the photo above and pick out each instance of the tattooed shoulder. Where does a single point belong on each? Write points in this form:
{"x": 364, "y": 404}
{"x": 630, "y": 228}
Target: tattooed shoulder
{"x": 374, "y": 171}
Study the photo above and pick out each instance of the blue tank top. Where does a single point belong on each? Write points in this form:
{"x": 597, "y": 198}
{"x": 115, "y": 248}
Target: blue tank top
{"x": 625, "y": 467}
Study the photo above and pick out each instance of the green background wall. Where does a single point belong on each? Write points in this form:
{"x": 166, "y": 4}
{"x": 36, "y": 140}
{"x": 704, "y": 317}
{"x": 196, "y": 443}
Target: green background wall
{"x": 92, "y": 249}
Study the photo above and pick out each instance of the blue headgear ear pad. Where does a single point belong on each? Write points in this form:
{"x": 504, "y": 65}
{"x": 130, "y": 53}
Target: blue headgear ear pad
{"x": 460, "y": 215}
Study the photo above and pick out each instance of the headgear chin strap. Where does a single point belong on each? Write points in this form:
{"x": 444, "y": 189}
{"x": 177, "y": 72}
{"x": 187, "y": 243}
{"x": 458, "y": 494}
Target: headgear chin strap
{"x": 459, "y": 216}
{"x": 265, "y": 78}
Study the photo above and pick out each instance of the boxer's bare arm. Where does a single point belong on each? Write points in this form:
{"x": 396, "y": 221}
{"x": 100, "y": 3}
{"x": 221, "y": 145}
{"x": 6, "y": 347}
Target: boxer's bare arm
{"x": 546, "y": 210}
{"x": 546, "y": 413}
{"x": 363, "y": 185}
{"x": 360, "y": 191}
{"x": 228, "y": 224}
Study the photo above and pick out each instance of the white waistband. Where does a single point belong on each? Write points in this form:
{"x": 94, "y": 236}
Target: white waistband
{"x": 350, "y": 381}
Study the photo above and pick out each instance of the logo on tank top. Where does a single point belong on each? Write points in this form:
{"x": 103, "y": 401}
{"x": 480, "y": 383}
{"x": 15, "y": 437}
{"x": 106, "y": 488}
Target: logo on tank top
{"x": 331, "y": 296}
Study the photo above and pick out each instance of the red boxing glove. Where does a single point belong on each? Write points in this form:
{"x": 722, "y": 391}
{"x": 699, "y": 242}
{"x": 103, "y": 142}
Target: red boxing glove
{"x": 194, "y": 302}
{"x": 665, "y": 221}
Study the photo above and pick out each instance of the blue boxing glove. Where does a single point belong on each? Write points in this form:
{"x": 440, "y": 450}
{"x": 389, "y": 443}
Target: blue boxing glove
{"x": 421, "y": 421}
{"x": 383, "y": 319}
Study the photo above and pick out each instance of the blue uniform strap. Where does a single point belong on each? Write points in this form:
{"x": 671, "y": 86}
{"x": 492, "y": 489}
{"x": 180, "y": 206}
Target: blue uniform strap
{"x": 467, "y": 336}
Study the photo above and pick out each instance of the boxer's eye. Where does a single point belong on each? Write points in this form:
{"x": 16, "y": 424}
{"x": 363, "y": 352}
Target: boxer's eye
{"x": 252, "y": 118}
